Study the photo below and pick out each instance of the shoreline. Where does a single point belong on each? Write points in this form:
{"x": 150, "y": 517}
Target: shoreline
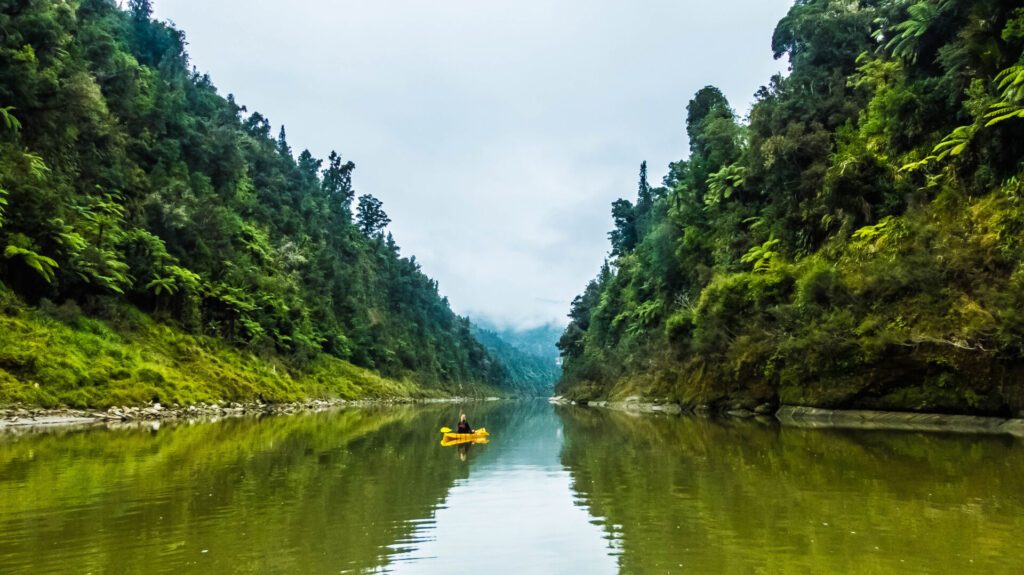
{"x": 21, "y": 418}
{"x": 862, "y": 419}
{"x": 803, "y": 417}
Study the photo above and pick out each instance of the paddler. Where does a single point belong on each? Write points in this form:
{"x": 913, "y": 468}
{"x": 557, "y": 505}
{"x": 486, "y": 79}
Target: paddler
{"x": 464, "y": 425}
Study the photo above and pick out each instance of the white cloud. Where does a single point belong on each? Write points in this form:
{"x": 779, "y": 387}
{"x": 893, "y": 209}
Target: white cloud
{"x": 496, "y": 133}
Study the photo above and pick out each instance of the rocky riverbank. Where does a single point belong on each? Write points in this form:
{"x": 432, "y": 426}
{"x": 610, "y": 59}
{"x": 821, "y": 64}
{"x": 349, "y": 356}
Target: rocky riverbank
{"x": 20, "y": 417}
{"x": 810, "y": 417}
{"x": 815, "y": 418}
{"x": 637, "y": 404}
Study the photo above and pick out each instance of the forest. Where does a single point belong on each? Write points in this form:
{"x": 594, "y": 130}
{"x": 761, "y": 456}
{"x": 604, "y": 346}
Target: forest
{"x": 530, "y": 355}
{"x": 159, "y": 241}
{"x": 854, "y": 241}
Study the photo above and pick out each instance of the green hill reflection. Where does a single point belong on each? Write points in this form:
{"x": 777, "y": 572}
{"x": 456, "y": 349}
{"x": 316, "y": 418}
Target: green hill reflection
{"x": 746, "y": 497}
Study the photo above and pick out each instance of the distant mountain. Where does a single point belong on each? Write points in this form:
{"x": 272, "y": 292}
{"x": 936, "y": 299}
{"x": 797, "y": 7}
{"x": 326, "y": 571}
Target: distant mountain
{"x": 539, "y": 341}
{"x": 529, "y": 356}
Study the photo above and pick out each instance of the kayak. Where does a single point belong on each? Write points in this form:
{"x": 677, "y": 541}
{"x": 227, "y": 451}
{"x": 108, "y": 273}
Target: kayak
{"x": 474, "y": 439}
{"x": 452, "y": 438}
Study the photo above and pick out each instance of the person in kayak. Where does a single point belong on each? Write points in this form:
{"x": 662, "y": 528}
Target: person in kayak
{"x": 464, "y": 425}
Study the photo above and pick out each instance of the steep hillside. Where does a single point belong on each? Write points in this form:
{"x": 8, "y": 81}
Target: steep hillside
{"x": 527, "y": 371}
{"x": 128, "y": 182}
{"x": 855, "y": 242}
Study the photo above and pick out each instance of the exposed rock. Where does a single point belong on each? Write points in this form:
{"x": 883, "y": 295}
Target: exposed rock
{"x": 810, "y": 417}
{"x": 126, "y": 416}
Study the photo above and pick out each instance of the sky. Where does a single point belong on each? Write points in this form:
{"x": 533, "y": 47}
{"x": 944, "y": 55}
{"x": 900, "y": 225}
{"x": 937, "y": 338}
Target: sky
{"x": 496, "y": 132}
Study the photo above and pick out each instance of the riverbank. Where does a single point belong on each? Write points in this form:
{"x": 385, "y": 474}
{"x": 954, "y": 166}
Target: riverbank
{"x": 53, "y": 357}
{"x": 23, "y": 418}
{"x": 816, "y": 418}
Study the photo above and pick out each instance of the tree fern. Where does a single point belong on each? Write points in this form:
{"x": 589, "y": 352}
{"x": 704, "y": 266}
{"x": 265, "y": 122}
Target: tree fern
{"x": 723, "y": 183}
{"x": 162, "y": 286}
{"x": 761, "y": 256}
{"x": 43, "y": 265}
{"x": 906, "y": 43}
{"x": 8, "y": 119}
{"x": 1010, "y": 83}
{"x": 954, "y": 143}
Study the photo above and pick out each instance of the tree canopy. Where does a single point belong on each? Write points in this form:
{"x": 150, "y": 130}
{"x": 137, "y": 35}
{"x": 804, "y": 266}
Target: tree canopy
{"x": 854, "y": 241}
{"x": 125, "y": 177}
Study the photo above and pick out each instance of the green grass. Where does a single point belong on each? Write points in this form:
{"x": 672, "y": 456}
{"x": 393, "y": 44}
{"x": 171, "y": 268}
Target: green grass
{"x": 57, "y": 356}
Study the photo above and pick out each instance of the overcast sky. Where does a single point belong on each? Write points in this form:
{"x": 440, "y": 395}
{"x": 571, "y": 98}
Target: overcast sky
{"x": 497, "y": 133}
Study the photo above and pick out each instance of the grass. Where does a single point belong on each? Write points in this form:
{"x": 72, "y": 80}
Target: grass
{"x": 54, "y": 356}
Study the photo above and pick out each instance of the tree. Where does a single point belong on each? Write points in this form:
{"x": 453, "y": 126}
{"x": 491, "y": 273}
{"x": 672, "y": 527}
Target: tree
{"x": 337, "y": 185}
{"x": 794, "y": 256}
{"x": 282, "y": 144}
{"x": 141, "y": 10}
{"x": 172, "y": 198}
{"x": 371, "y": 219}
{"x": 624, "y": 236}
{"x": 709, "y": 101}
{"x": 644, "y": 196}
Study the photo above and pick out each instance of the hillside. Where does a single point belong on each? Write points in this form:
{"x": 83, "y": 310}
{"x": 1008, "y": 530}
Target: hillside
{"x": 854, "y": 242}
{"x": 128, "y": 183}
{"x": 540, "y": 341}
{"x": 530, "y": 366}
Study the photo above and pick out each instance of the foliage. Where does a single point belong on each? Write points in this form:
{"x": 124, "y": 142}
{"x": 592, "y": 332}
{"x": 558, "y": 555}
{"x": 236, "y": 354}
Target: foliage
{"x": 59, "y": 355}
{"x": 854, "y": 243}
{"x": 529, "y": 372}
{"x": 124, "y": 175}
{"x": 43, "y": 265}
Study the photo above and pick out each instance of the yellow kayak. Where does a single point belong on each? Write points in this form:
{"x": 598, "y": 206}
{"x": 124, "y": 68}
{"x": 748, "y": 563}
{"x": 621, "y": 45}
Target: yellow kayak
{"x": 474, "y": 440}
{"x": 452, "y": 438}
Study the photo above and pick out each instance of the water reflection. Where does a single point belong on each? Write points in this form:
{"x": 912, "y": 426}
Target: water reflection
{"x": 555, "y": 491}
{"x": 315, "y": 493}
{"x": 515, "y": 512}
{"x": 688, "y": 494}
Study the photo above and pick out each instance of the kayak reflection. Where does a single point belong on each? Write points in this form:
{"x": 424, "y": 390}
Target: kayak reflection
{"x": 478, "y": 440}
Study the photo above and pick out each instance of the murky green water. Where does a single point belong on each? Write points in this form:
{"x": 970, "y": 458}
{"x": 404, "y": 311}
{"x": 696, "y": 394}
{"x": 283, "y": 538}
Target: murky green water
{"x": 558, "y": 490}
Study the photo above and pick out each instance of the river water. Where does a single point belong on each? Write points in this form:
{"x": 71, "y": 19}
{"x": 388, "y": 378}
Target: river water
{"x": 557, "y": 490}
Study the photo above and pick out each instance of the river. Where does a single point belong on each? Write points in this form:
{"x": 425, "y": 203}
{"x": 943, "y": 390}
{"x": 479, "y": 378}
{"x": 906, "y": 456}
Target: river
{"x": 557, "y": 490}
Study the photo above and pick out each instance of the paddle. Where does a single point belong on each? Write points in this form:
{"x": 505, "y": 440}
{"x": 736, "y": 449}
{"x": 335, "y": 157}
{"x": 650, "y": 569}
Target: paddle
{"x": 479, "y": 431}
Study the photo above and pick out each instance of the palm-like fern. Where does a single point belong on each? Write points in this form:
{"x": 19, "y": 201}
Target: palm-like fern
{"x": 3, "y": 204}
{"x": 955, "y": 143}
{"x": 12, "y": 124}
{"x": 906, "y": 43}
{"x": 1010, "y": 83}
{"x": 723, "y": 183}
{"x": 163, "y": 285}
{"x": 45, "y": 266}
{"x": 8, "y": 119}
{"x": 177, "y": 279}
{"x": 761, "y": 256}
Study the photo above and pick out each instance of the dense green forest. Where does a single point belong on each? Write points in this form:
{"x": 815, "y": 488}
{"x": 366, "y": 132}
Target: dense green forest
{"x": 127, "y": 183}
{"x": 855, "y": 241}
{"x": 530, "y": 356}
{"x": 541, "y": 341}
